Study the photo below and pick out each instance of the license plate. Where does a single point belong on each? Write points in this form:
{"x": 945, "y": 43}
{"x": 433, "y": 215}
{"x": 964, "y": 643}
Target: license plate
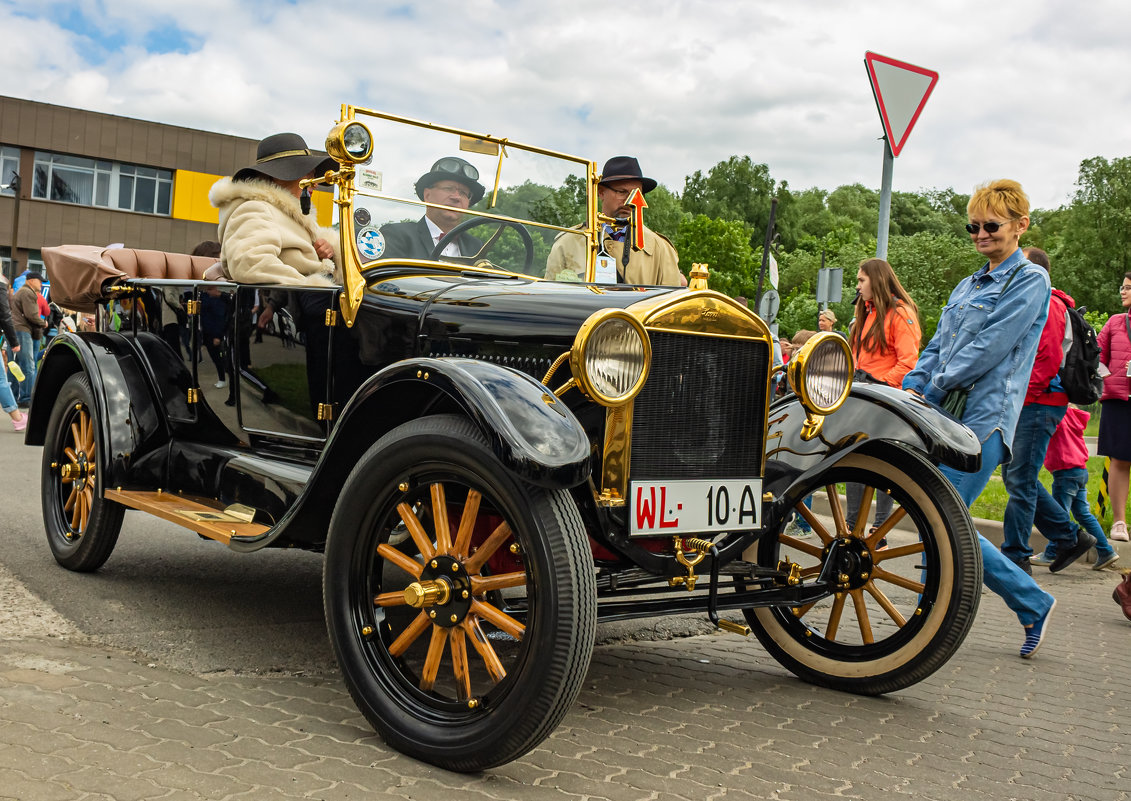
{"x": 686, "y": 507}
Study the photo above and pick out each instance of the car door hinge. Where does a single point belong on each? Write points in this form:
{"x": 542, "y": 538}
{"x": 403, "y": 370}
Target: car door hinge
{"x": 192, "y": 395}
{"x": 192, "y": 307}
{"x": 331, "y": 318}
{"x": 325, "y": 411}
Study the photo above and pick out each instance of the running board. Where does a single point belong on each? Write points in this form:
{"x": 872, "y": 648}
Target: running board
{"x": 208, "y": 521}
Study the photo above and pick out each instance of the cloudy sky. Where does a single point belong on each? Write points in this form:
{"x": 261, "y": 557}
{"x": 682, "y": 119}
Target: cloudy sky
{"x": 1026, "y": 90}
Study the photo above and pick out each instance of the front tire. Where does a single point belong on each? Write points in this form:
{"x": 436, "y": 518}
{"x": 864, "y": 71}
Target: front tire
{"x": 82, "y": 527}
{"x": 921, "y": 593}
{"x": 433, "y": 536}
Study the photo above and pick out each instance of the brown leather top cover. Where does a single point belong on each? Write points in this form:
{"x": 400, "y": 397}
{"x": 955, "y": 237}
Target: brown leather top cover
{"x": 78, "y": 272}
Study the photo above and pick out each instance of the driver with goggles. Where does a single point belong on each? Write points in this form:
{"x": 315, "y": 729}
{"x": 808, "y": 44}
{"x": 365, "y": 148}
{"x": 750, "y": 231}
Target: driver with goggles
{"x": 451, "y": 182}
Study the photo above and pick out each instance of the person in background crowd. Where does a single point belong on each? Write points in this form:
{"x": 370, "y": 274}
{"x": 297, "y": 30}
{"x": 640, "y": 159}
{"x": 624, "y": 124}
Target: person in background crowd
{"x": 1114, "y": 439}
{"x": 29, "y": 330}
{"x": 657, "y": 263}
{"x": 1067, "y": 460}
{"x": 984, "y": 347}
{"x": 11, "y": 343}
{"x": 266, "y": 233}
{"x": 826, "y": 321}
{"x": 1045, "y": 404}
{"x": 884, "y": 338}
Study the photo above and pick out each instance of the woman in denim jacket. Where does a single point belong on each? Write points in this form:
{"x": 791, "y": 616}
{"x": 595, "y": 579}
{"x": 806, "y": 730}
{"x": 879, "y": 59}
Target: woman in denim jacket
{"x": 985, "y": 343}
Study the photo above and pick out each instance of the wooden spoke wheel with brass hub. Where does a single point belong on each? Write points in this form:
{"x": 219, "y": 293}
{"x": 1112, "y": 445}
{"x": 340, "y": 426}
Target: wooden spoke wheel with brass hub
{"x": 460, "y": 601}
{"x": 82, "y": 527}
{"x": 900, "y": 609}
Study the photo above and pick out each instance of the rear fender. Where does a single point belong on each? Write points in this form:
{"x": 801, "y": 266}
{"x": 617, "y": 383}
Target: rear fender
{"x": 124, "y": 411}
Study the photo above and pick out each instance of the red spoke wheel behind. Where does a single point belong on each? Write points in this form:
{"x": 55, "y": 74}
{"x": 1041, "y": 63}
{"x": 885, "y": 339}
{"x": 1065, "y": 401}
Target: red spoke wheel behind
{"x": 460, "y": 601}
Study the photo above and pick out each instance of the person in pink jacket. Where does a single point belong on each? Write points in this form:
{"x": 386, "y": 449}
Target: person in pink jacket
{"x": 1067, "y": 460}
{"x": 1115, "y": 407}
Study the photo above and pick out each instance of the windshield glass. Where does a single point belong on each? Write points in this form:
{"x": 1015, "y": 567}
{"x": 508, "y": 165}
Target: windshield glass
{"x": 437, "y": 194}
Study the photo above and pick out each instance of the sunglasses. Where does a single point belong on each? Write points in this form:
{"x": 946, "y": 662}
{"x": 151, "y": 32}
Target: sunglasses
{"x": 990, "y": 227}
{"x": 457, "y": 167}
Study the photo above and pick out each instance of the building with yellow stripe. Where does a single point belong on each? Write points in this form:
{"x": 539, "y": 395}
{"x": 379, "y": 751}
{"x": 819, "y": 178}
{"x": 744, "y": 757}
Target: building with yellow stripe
{"x": 94, "y": 179}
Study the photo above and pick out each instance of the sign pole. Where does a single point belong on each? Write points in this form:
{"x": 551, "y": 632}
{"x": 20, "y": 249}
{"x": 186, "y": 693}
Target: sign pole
{"x": 885, "y": 203}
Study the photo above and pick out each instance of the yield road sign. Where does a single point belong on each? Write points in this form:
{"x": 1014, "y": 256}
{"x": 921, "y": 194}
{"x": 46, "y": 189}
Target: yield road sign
{"x": 901, "y": 90}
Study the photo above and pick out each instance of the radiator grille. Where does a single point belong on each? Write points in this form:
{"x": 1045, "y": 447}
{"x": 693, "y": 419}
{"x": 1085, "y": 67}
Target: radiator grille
{"x": 702, "y": 413}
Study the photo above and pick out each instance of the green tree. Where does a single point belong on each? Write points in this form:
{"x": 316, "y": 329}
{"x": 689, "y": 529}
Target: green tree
{"x": 664, "y": 213}
{"x": 724, "y": 245}
{"x": 1095, "y": 249}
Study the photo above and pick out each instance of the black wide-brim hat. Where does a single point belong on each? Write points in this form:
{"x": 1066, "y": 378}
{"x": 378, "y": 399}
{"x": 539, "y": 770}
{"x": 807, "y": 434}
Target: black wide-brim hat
{"x": 286, "y": 157}
{"x": 452, "y": 168}
{"x": 625, "y": 168}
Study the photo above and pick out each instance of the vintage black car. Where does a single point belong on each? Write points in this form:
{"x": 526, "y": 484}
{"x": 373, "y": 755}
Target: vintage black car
{"x": 493, "y": 461}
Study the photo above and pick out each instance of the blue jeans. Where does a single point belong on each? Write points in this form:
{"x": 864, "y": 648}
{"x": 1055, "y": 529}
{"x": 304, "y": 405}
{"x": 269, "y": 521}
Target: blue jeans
{"x": 26, "y": 360}
{"x": 1070, "y": 490}
{"x": 1029, "y": 502}
{"x": 1001, "y": 574}
{"x": 7, "y": 399}
{"x": 802, "y": 523}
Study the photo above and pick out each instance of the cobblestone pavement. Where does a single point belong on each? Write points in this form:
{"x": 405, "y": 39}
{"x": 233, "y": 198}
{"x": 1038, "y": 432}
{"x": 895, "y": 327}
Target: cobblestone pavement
{"x": 701, "y": 717}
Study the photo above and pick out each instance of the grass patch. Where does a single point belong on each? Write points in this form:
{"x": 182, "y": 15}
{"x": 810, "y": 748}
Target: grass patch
{"x": 990, "y": 505}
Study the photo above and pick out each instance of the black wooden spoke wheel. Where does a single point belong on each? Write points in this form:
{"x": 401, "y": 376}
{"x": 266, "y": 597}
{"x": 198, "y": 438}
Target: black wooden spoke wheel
{"x": 82, "y": 527}
{"x": 905, "y": 605}
{"x": 460, "y": 601}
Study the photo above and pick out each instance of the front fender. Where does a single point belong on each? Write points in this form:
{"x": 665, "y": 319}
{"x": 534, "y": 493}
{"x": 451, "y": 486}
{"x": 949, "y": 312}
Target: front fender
{"x": 871, "y": 412}
{"x": 531, "y": 432}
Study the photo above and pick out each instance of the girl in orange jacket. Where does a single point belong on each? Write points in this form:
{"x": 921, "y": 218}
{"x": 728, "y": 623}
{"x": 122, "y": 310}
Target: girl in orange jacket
{"x": 885, "y": 333}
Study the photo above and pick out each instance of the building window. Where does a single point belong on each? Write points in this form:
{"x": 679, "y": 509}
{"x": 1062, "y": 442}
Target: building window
{"x": 9, "y": 166}
{"x": 88, "y": 182}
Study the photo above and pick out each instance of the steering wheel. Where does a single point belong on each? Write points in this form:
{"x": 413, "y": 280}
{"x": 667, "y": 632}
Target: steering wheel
{"x": 475, "y": 222}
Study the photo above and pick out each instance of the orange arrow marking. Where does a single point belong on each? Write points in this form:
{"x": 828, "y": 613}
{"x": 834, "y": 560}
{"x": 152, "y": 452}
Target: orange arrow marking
{"x": 638, "y": 203}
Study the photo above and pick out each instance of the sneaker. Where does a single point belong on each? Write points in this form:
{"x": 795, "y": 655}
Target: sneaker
{"x": 1105, "y": 561}
{"x": 1066, "y": 556}
{"x": 1118, "y": 532}
{"x": 1042, "y": 559}
{"x": 21, "y": 424}
{"x": 220, "y": 384}
{"x": 1035, "y": 634}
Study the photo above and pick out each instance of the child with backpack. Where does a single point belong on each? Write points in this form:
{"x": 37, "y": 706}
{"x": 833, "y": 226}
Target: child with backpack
{"x": 1067, "y": 460}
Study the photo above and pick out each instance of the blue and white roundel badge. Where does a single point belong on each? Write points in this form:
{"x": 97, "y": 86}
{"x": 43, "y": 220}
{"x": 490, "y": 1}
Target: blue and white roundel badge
{"x": 370, "y": 243}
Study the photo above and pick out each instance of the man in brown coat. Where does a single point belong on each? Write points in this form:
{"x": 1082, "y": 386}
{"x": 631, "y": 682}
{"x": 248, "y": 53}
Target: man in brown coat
{"x": 29, "y": 329}
{"x": 657, "y": 263}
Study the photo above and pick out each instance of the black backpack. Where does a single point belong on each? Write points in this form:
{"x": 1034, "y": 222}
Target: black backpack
{"x": 1079, "y": 373}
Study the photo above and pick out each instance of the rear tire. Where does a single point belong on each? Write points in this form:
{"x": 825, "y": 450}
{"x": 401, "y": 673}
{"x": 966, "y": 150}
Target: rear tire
{"x": 430, "y": 506}
{"x": 82, "y": 527}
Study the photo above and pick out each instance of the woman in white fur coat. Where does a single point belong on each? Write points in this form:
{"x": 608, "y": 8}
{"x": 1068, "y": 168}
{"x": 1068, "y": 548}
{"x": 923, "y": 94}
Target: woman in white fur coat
{"x": 265, "y": 235}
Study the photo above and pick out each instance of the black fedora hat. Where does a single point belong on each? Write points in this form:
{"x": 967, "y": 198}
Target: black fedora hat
{"x": 452, "y": 168}
{"x": 625, "y": 168}
{"x": 285, "y": 156}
